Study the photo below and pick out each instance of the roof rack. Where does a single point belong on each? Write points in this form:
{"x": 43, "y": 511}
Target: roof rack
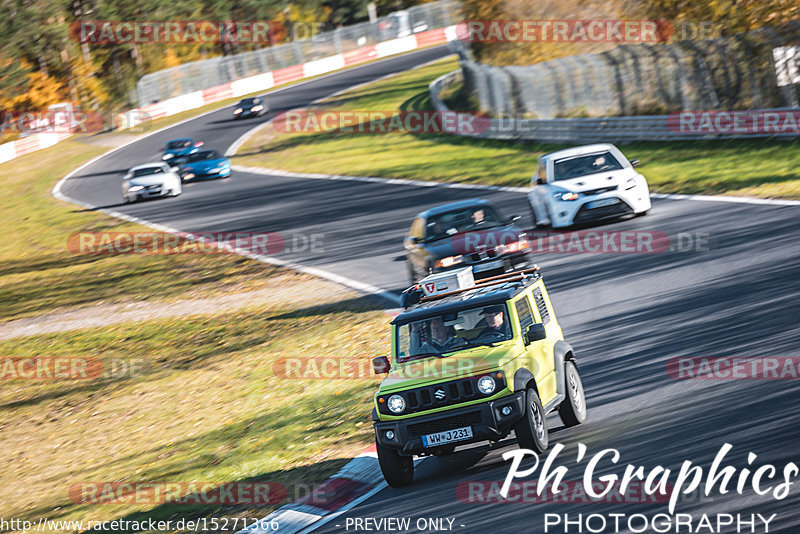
{"x": 412, "y": 295}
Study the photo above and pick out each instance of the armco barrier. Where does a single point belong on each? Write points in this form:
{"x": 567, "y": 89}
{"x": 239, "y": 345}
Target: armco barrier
{"x": 31, "y": 143}
{"x": 313, "y": 48}
{"x": 587, "y": 130}
{"x": 241, "y": 87}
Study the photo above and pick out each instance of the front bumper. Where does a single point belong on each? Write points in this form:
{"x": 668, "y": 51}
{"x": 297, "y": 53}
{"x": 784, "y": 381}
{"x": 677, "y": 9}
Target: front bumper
{"x": 487, "y": 423}
{"x": 485, "y": 266}
{"x": 221, "y": 174}
{"x": 150, "y": 191}
{"x": 586, "y": 214}
{"x": 626, "y": 202}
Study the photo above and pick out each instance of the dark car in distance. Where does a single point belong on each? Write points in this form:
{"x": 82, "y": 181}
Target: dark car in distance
{"x": 469, "y": 233}
{"x": 250, "y": 107}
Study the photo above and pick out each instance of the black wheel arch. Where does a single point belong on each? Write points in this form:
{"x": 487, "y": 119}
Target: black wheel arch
{"x": 524, "y": 379}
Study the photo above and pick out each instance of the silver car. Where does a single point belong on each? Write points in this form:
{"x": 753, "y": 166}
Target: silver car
{"x": 151, "y": 180}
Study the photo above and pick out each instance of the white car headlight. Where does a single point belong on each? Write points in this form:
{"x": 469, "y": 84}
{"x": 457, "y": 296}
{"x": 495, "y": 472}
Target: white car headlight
{"x": 168, "y": 156}
{"x": 486, "y": 385}
{"x": 237, "y": 111}
{"x": 257, "y": 108}
{"x": 630, "y": 183}
{"x": 564, "y": 195}
{"x": 396, "y": 404}
{"x": 134, "y": 188}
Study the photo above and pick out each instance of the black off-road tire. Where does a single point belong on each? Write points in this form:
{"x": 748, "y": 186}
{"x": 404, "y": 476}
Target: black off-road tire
{"x": 531, "y": 430}
{"x": 573, "y": 410}
{"x": 398, "y": 470}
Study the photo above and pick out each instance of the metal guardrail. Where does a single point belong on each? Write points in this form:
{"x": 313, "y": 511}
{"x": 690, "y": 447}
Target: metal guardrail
{"x": 585, "y": 130}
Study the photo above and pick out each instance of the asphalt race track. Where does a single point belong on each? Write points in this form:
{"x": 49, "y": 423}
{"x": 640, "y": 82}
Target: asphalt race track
{"x": 625, "y": 314}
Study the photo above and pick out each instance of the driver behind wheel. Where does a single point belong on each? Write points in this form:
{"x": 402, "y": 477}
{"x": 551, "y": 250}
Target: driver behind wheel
{"x": 496, "y": 325}
{"x": 442, "y": 337}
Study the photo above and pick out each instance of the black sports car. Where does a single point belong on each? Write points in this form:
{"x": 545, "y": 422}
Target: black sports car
{"x": 250, "y": 107}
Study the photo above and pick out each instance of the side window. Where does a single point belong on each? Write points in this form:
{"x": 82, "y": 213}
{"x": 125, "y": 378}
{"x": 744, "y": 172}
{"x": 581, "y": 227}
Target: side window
{"x": 540, "y": 176}
{"x": 403, "y": 342}
{"x": 541, "y": 305}
{"x": 524, "y": 313}
{"x": 417, "y": 228}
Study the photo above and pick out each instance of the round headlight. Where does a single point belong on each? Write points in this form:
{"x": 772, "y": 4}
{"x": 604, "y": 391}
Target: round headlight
{"x": 486, "y": 385}
{"x": 396, "y": 404}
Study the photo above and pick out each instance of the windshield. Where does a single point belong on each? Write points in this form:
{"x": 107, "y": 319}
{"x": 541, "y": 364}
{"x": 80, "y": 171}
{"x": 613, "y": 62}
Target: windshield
{"x": 248, "y": 102}
{"x": 459, "y": 221}
{"x": 179, "y": 144}
{"x": 201, "y": 156}
{"x": 564, "y": 169}
{"x": 147, "y": 171}
{"x": 450, "y": 332}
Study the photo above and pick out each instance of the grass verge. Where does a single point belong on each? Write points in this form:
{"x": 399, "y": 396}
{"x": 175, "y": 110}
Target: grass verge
{"x": 764, "y": 168}
{"x": 197, "y": 399}
{"x": 193, "y": 398}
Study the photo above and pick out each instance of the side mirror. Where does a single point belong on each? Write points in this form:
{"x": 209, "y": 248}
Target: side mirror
{"x": 535, "y": 332}
{"x": 409, "y": 297}
{"x": 539, "y": 180}
{"x": 410, "y": 241}
{"x": 635, "y": 163}
{"x": 380, "y": 365}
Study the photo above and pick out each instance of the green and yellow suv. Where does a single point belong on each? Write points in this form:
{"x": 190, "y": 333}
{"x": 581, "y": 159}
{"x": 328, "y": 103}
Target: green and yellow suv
{"x": 471, "y": 365}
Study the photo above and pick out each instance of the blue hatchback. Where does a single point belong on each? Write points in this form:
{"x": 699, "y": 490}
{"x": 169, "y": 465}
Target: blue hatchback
{"x": 204, "y": 164}
{"x": 180, "y": 147}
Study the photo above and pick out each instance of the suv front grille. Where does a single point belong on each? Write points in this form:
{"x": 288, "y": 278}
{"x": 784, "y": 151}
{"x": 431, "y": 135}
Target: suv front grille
{"x": 443, "y": 394}
{"x": 444, "y": 424}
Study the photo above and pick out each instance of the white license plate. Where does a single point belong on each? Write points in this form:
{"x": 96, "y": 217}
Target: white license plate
{"x": 601, "y": 203}
{"x": 487, "y": 266}
{"x": 457, "y": 434}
